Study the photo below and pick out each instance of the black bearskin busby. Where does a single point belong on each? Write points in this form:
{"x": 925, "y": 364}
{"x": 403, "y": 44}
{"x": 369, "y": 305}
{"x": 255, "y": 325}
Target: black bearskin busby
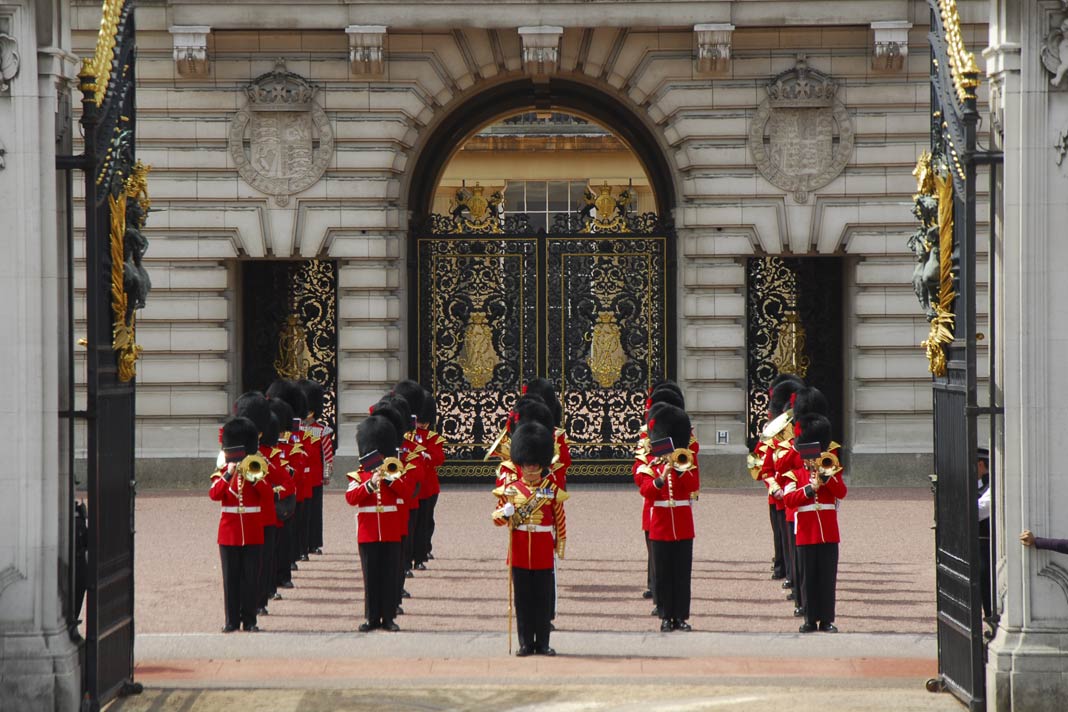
{"x": 412, "y": 393}
{"x": 388, "y": 410}
{"x": 814, "y": 428}
{"x": 428, "y": 414}
{"x": 670, "y": 422}
{"x": 810, "y": 400}
{"x": 669, "y": 396}
{"x": 377, "y": 433}
{"x": 292, "y": 394}
{"x": 253, "y": 405}
{"x": 530, "y": 409}
{"x": 239, "y": 432}
{"x": 669, "y": 386}
{"x": 532, "y": 444}
{"x": 543, "y": 388}
{"x": 314, "y": 395}
{"x": 285, "y": 415}
{"x": 781, "y": 395}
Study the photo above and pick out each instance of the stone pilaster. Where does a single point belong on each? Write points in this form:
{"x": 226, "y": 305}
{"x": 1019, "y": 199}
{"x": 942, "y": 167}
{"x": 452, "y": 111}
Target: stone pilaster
{"x": 1028, "y": 657}
{"x": 38, "y": 661}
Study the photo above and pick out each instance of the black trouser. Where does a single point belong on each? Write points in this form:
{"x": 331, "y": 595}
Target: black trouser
{"x": 240, "y": 568}
{"x": 798, "y": 568}
{"x": 300, "y": 539}
{"x": 433, "y": 500}
{"x": 779, "y": 563}
{"x": 820, "y": 565}
{"x": 379, "y": 562}
{"x": 409, "y": 541}
{"x": 785, "y": 536}
{"x": 672, "y": 565}
{"x": 267, "y": 565}
{"x": 284, "y": 556}
{"x": 424, "y": 528}
{"x": 402, "y": 566}
{"x": 650, "y": 578}
{"x": 533, "y": 590}
{"x": 315, "y": 525}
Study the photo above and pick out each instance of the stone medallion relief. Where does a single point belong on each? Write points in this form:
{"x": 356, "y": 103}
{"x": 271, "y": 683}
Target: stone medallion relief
{"x": 282, "y": 141}
{"x": 801, "y": 137}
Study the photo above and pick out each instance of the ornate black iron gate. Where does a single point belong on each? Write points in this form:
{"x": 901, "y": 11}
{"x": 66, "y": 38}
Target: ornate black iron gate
{"x": 945, "y": 283}
{"x": 586, "y": 304}
{"x": 289, "y": 315}
{"x": 794, "y": 324}
{"x": 116, "y": 207}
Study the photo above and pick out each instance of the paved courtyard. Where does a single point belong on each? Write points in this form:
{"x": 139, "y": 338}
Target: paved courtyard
{"x": 885, "y": 583}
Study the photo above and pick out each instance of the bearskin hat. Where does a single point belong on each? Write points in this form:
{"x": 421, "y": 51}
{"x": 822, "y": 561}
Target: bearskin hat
{"x": 377, "y": 433}
{"x": 253, "y": 405}
{"x": 780, "y": 396}
{"x": 239, "y": 431}
{"x": 412, "y": 392}
{"x": 667, "y": 385}
{"x": 292, "y": 394}
{"x": 543, "y": 388}
{"x": 285, "y": 415}
{"x": 428, "y": 414}
{"x": 657, "y": 407}
{"x": 783, "y": 377}
{"x": 398, "y": 420}
{"x": 810, "y": 400}
{"x": 532, "y": 444}
{"x": 314, "y": 394}
{"x": 529, "y": 409}
{"x": 666, "y": 395}
{"x": 814, "y": 428}
{"x": 670, "y": 422}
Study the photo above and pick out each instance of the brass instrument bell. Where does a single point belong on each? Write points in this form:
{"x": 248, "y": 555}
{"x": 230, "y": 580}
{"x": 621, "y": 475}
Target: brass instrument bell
{"x": 827, "y": 461}
{"x": 681, "y": 459}
{"x": 253, "y": 468}
{"x": 392, "y": 468}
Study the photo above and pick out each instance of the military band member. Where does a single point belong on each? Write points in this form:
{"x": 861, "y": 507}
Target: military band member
{"x": 780, "y": 465}
{"x": 668, "y": 480}
{"x": 543, "y": 388}
{"x": 434, "y": 454}
{"x": 239, "y": 485}
{"x": 815, "y": 493}
{"x": 319, "y": 440}
{"x": 763, "y": 451}
{"x": 377, "y": 491}
{"x": 413, "y": 394}
{"x": 285, "y": 551}
{"x": 532, "y": 507}
{"x": 292, "y": 394}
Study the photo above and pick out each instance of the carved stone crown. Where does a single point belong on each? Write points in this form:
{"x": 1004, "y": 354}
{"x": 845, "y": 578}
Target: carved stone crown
{"x": 281, "y": 90}
{"x": 802, "y": 87}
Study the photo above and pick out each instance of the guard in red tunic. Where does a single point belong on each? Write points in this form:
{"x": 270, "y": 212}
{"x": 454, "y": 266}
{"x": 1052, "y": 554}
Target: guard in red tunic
{"x": 668, "y": 480}
{"x": 240, "y": 486}
{"x": 292, "y": 462}
{"x": 377, "y": 491}
{"x": 292, "y": 394}
{"x": 254, "y": 406}
{"x": 532, "y": 507}
{"x": 317, "y": 436}
{"x": 543, "y": 388}
{"x": 815, "y": 495}
{"x": 434, "y": 456}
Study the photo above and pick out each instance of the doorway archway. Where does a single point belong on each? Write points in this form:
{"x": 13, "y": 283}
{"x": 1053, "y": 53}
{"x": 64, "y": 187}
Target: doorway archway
{"x": 584, "y": 297}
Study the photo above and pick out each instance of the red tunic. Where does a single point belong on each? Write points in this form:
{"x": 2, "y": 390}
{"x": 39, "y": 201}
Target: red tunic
{"x": 280, "y": 481}
{"x": 299, "y": 457}
{"x": 433, "y": 457}
{"x": 313, "y": 445}
{"x": 563, "y": 462}
{"x": 380, "y": 515}
{"x": 817, "y": 517}
{"x": 535, "y": 542}
{"x": 670, "y": 517}
{"x": 241, "y": 523}
{"x": 411, "y": 455}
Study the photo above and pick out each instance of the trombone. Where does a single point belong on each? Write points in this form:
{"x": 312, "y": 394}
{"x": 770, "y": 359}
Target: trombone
{"x": 253, "y": 468}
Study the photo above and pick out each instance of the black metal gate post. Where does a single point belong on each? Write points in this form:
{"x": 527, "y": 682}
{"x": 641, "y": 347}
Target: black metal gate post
{"x": 948, "y": 182}
{"x": 116, "y": 204}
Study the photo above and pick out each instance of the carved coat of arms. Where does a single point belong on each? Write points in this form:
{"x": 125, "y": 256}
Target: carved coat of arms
{"x": 282, "y": 141}
{"x": 802, "y": 135}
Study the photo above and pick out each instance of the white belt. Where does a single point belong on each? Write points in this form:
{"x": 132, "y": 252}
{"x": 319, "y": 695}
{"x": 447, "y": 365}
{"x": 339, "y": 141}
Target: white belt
{"x": 534, "y": 528}
{"x": 815, "y": 507}
{"x": 240, "y": 510}
{"x": 671, "y": 503}
{"x": 371, "y": 510}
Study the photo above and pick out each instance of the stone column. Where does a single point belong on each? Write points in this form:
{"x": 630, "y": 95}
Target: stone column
{"x": 38, "y": 661}
{"x": 1028, "y": 657}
